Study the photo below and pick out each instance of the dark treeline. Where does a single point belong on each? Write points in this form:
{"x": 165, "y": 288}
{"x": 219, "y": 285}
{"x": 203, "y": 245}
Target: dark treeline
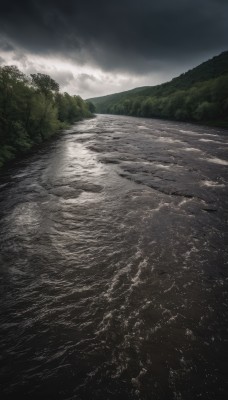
{"x": 32, "y": 109}
{"x": 199, "y": 95}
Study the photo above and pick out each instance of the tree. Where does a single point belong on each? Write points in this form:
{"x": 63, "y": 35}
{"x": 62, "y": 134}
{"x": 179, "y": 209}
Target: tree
{"x": 206, "y": 111}
{"x": 91, "y": 106}
{"x": 46, "y": 87}
{"x": 45, "y": 84}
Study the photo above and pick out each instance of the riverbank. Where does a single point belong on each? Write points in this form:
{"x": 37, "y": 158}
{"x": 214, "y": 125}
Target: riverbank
{"x": 10, "y": 155}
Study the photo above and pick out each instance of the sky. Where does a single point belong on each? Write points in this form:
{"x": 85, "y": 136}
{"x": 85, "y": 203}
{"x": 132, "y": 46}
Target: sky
{"x": 96, "y": 47}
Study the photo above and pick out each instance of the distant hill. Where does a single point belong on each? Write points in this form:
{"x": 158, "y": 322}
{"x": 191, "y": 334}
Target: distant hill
{"x": 201, "y": 94}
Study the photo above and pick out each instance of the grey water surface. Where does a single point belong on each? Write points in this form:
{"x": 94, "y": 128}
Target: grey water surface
{"x": 113, "y": 264}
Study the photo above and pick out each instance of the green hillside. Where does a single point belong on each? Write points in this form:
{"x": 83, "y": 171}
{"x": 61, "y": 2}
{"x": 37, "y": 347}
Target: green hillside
{"x": 200, "y": 94}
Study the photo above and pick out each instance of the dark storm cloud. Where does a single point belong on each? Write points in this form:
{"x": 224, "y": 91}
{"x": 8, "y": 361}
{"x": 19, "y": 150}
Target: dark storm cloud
{"x": 5, "y": 45}
{"x": 124, "y": 35}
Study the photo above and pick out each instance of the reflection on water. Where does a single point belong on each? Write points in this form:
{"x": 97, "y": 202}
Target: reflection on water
{"x": 114, "y": 264}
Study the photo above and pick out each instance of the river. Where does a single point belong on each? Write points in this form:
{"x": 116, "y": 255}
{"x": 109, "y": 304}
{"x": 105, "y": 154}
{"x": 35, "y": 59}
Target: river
{"x": 113, "y": 264}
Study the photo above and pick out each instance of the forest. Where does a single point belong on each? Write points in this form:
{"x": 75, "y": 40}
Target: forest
{"x": 199, "y": 95}
{"x": 32, "y": 110}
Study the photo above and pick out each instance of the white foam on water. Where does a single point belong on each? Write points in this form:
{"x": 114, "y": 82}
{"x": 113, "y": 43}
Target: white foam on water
{"x": 164, "y": 139}
{"x": 192, "y": 149}
{"x": 184, "y": 201}
{"x": 173, "y": 318}
{"x": 163, "y": 166}
{"x": 209, "y": 134}
{"x": 197, "y": 133}
{"x": 156, "y": 328}
{"x": 166, "y": 166}
{"x": 212, "y": 141}
{"x": 3, "y": 185}
{"x": 212, "y": 184}
{"x": 190, "y": 132}
{"x": 189, "y": 333}
{"x": 170, "y": 288}
{"x": 136, "y": 279}
{"x": 160, "y": 206}
{"x": 216, "y": 160}
{"x": 136, "y": 381}
{"x": 116, "y": 279}
{"x": 105, "y": 323}
{"x": 142, "y": 127}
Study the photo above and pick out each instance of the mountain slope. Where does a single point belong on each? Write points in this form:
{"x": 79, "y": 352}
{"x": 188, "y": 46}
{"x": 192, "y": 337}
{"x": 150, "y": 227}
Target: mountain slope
{"x": 200, "y": 94}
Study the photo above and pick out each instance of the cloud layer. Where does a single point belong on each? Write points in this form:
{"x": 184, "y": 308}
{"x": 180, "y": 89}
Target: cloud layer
{"x": 125, "y": 38}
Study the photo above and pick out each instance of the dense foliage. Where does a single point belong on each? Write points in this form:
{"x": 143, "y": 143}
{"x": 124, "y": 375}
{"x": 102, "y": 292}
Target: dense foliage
{"x": 200, "y": 94}
{"x": 32, "y": 109}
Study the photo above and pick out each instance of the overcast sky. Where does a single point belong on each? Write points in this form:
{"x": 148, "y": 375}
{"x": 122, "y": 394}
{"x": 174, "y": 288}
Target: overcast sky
{"x": 97, "y": 47}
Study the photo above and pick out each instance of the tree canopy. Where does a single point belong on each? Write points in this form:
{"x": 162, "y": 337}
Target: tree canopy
{"x": 32, "y": 109}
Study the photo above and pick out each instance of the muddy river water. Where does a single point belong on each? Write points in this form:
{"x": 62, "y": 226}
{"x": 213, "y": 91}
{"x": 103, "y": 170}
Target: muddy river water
{"x": 113, "y": 266}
